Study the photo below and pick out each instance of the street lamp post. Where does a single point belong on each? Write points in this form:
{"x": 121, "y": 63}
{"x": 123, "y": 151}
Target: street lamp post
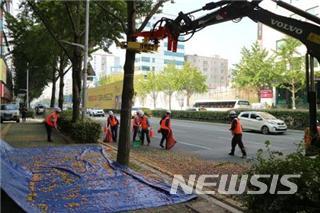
{"x": 84, "y": 87}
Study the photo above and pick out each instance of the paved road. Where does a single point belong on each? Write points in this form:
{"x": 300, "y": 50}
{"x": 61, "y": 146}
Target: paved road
{"x": 212, "y": 140}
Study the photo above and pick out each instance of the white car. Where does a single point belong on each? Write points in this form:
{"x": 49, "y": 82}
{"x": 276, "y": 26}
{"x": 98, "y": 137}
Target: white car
{"x": 96, "y": 112}
{"x": 9, "y": 112}
{"x": 262, "y": 121}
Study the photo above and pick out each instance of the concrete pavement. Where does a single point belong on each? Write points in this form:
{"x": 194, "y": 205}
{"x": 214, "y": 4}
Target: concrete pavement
{"x": 213, "y": 141}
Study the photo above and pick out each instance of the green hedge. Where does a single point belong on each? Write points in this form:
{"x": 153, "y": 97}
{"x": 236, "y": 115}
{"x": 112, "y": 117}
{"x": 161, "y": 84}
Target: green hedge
{"x": 30, "y": 114}
{"x": 295, "y": 119}
{"x": 307, "y": 197}
{"x": 85, "y": 131}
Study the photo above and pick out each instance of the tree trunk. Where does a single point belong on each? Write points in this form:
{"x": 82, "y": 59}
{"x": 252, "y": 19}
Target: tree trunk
{"x": 170, "y": 95}
{"x": 154, "y": 97}
{"x": 127, "y": 91}
{"x": 293, "y": 97}
{"x": 188, "y": 99}
{"x": 53, "y": 92}
{"x": 76, "y": 83}
{"x": 76, "y": 67}
{"x": 61, "y": 83}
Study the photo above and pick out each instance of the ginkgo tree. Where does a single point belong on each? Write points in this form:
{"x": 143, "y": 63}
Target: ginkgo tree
{"x": 255, "y": 69}
{"x": 191, "y": 81}
{"x": 290, "y": 66}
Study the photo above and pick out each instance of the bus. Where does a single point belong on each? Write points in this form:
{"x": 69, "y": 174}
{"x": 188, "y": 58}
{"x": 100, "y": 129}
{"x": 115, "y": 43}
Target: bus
{"x": 224, "y": 105}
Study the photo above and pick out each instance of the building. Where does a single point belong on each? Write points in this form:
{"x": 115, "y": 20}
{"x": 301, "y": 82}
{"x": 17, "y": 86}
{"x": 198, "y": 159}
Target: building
{"x": 146, "y": 62}
{"x": 104, "y": 63}
{"x": 5, "y": 62}
{"x": 214, "y": 68}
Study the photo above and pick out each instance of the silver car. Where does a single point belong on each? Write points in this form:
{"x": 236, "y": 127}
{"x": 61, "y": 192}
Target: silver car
{"x": 10, "y": 112}
{"x": 262, "y": 122}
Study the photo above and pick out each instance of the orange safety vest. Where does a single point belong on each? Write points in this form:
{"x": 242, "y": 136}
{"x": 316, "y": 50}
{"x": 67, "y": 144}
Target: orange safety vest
{"x": 238, "y": 129}
{"x": 144, "y": 122}
{"x": 113, "y": 121}
{"x": 163, "y": 123}
{"x": 136, "y": 121}
{"x": 52, "y": 119}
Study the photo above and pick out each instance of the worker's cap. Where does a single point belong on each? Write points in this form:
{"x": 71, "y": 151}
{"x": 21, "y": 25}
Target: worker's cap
{"x": 110, "y": 113}
{"x": 232, "y": 113}
{"x": 57, "y": 109}
{"x": 140, "y": 112}
{"x": 168, "y": 112}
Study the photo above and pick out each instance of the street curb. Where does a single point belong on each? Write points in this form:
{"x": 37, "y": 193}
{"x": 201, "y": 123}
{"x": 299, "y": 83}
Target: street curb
{"x": 225, "y": 203}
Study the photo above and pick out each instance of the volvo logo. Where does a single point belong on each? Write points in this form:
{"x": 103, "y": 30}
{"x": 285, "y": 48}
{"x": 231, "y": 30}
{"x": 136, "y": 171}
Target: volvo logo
{"x": 285, "y": 26}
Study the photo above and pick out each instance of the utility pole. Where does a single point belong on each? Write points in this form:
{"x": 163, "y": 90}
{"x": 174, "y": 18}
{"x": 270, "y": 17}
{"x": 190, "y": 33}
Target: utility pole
{"x": 85, "y": 70}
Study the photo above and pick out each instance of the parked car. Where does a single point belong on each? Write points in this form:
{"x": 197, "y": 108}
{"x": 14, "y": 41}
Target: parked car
{"x": 10, "y": 112}
{"x": 96, "y": 112}
{"x": 262, "y": 121}
{"x": 40, "y": 109}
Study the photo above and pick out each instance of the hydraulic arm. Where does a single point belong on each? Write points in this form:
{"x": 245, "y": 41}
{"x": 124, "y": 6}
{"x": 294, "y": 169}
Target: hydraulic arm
{"x": 226, "y": 10}
{"x": 308, "y": 33}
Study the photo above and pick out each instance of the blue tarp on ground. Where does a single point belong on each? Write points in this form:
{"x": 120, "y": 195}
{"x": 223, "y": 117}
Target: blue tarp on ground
{"x": 77, "y": 179}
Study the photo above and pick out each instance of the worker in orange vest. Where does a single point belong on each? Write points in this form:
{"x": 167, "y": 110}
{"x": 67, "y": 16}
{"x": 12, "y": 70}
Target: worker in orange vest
{"x": 236, "y": 130}
{"x": 136, "y": 125}
{"x": 145, "y": 127}
{"x": 165, "y": 127}
{"x": 113, "y": 123}
{"x": 51, "y": 121}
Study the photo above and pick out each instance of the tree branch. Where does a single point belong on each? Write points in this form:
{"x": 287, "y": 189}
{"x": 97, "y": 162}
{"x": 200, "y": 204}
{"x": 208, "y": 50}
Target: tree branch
{"x": 113, "y": 15}
{"x": 152, "y": 12}
{"x": 47, "y": 26}
{"x": 65, "y": 72}
{"x": 70, "y": 17}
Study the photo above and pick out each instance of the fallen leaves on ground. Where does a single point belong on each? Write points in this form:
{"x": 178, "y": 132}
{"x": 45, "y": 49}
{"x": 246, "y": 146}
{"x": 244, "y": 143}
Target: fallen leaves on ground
{"x": 186, "y": 163}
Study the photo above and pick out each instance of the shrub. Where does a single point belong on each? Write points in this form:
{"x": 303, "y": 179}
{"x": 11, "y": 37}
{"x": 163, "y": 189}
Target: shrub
{"x": 30, "y": 114}
{"x": 307, "y": 197}
{"x": 85, "y": 131}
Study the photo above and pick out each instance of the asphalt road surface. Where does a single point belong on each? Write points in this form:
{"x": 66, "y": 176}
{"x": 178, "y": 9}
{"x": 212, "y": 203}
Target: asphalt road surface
{"x": 213, "y": 141}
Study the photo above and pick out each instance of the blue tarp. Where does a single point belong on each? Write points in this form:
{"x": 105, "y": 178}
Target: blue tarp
{"x": 77, "y": 179}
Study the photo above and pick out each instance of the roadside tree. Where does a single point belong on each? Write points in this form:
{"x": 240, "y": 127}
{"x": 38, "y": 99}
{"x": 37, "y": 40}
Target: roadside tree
{"x": 255, "y": 69}
{"x": 290, "y": 66}
{"x": 191, "y": 81}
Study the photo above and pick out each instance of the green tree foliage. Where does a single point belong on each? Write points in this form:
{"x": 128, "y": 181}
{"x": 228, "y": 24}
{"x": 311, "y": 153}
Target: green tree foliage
{"x": 255, "y": 69}
{"x": 65, "y": 22}
{"x": 290, "y": 67}
{"x": 191, "y": 81}
{"x": 140, "y": 87}
{"x": 151, "y": 84}
{"x": 107, "y": 79}
{"x": 30, "y": 52}
{"x": 170, "y": 81}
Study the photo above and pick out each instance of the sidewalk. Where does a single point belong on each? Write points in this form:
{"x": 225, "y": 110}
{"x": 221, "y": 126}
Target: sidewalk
{"x": 30, "y": 134}
{"x": 33, "y": 134}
